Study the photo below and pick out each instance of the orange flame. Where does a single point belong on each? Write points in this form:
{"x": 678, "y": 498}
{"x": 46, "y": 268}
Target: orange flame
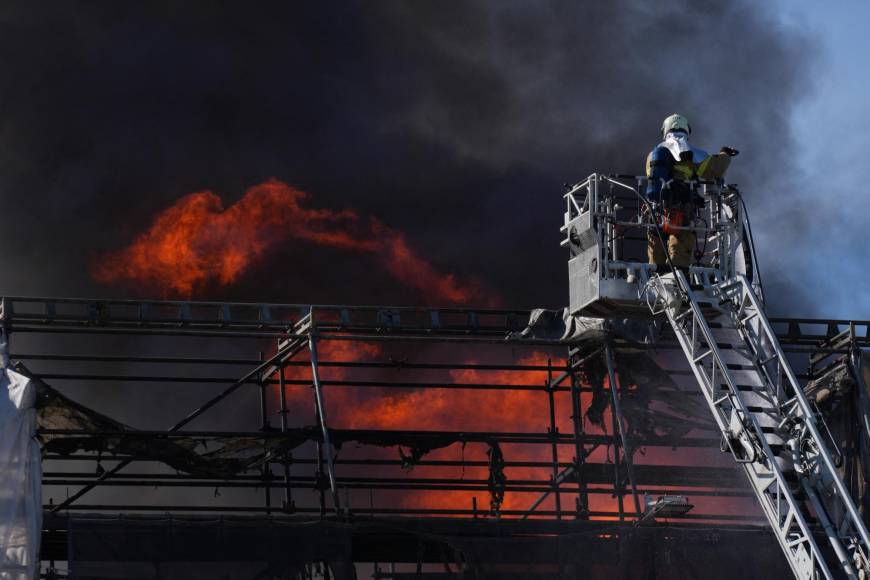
{"x": 464, "y": 409}
{"x": 468, "y": 410}
{"x": 197, "y": 241}
{"x": 452, "y": 409}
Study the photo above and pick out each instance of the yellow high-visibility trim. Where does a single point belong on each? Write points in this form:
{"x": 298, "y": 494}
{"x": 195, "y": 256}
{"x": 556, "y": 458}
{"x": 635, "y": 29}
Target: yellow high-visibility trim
{"x": 714, "y": 166}
{"x": 684, "y": 170}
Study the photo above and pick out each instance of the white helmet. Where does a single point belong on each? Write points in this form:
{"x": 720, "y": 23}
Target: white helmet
{"x": 676, "y": 123}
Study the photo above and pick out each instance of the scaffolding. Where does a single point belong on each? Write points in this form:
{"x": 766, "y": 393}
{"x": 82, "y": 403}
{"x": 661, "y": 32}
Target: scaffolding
{"x": 271, "y": 373}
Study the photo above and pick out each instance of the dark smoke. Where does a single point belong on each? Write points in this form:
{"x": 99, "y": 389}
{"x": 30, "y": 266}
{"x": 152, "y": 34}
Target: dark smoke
{"x": 456, "y": 122}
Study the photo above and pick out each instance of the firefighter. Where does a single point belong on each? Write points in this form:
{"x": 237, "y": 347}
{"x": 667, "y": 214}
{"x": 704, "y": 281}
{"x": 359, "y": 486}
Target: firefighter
{"x": 673, "y": 169}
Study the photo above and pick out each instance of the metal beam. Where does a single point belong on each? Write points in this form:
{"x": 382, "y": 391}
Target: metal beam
{"x": 321, "y": 416}
{"x": 288, "y": 352}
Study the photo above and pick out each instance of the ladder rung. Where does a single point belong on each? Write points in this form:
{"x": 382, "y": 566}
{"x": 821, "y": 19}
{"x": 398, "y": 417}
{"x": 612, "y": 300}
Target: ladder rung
{"x": 719, "y": 329}
{"x": 740, "y": 367}
{"x": 793, "y": 543}
{"x": 748, "y": 318}
{"x": 699, "y": 358}
{"x": 682, "y": 315}
{"x": 746, "y": 388}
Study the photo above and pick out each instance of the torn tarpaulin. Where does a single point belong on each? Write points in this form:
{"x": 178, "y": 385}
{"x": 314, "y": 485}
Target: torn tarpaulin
{"x": 497, "y": 480}
{"x": 20, "y": 479}
{"x": 653, "y": 403}
{"x": 593, "y": 372}
{"x": 417, "y": 445}
{"x": 205, "y": 456}
{"x": 654, "y": 406}
{"x": 223, "y": 457}
{"x": 561, "y": 326}
{"x": 214, "y": 457}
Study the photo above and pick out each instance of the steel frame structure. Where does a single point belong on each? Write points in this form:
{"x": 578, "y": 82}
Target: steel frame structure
{"x": 334, "y": 485}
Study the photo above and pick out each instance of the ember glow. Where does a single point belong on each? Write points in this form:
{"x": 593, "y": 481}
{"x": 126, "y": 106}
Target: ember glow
{"x": 459, "y": 408}
{"x": 197, "y": 242}
{"x": 452, "y": 408}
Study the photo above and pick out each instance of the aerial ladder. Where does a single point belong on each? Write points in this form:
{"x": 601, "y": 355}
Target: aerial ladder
{"x": 715, "y": 310}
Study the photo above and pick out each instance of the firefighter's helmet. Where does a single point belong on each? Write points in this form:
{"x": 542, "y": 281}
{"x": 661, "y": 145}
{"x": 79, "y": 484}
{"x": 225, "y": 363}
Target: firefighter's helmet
{"x": 676, "y": 123}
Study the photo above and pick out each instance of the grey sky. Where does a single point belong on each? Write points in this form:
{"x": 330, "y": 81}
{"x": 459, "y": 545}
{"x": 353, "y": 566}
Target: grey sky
{"x": 830, "y": 258}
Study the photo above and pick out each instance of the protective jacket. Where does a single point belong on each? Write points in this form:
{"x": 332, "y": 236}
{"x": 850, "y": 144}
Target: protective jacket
{"x": 673, "y": 159}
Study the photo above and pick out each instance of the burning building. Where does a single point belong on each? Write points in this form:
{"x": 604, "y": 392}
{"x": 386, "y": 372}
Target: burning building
{"x": 392, "y": 441}
{"x": 205, "y": 426}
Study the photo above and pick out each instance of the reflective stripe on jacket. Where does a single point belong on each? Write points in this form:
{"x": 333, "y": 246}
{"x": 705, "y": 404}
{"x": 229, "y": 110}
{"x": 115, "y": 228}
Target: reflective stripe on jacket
{"x": 661, "y": 167}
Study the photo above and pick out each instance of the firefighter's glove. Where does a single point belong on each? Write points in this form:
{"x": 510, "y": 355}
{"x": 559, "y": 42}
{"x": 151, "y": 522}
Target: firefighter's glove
{"x": 729, "y": 151}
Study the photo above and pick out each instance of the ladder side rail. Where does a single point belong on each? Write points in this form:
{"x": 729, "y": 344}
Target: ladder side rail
{"x": 758, "y": 346}
{"x": 782, "y": 523}
{"x": 807, "y": 414}
{"x": 705, "y": 382}
{"x": 600, "y": 232}
{"x": 827, "y": 525}
{"x": 771, "y": 503}
{"x": 747, "y": 317}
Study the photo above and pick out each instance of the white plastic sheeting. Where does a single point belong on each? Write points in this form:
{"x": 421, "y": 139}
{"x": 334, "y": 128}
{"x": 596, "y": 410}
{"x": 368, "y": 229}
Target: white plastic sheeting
{"x": 560, "y": 325}
{"x": 20, "y": 476}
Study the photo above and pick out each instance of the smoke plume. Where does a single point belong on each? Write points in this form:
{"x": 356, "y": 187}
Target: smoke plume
{"x": 456, "y": 124}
